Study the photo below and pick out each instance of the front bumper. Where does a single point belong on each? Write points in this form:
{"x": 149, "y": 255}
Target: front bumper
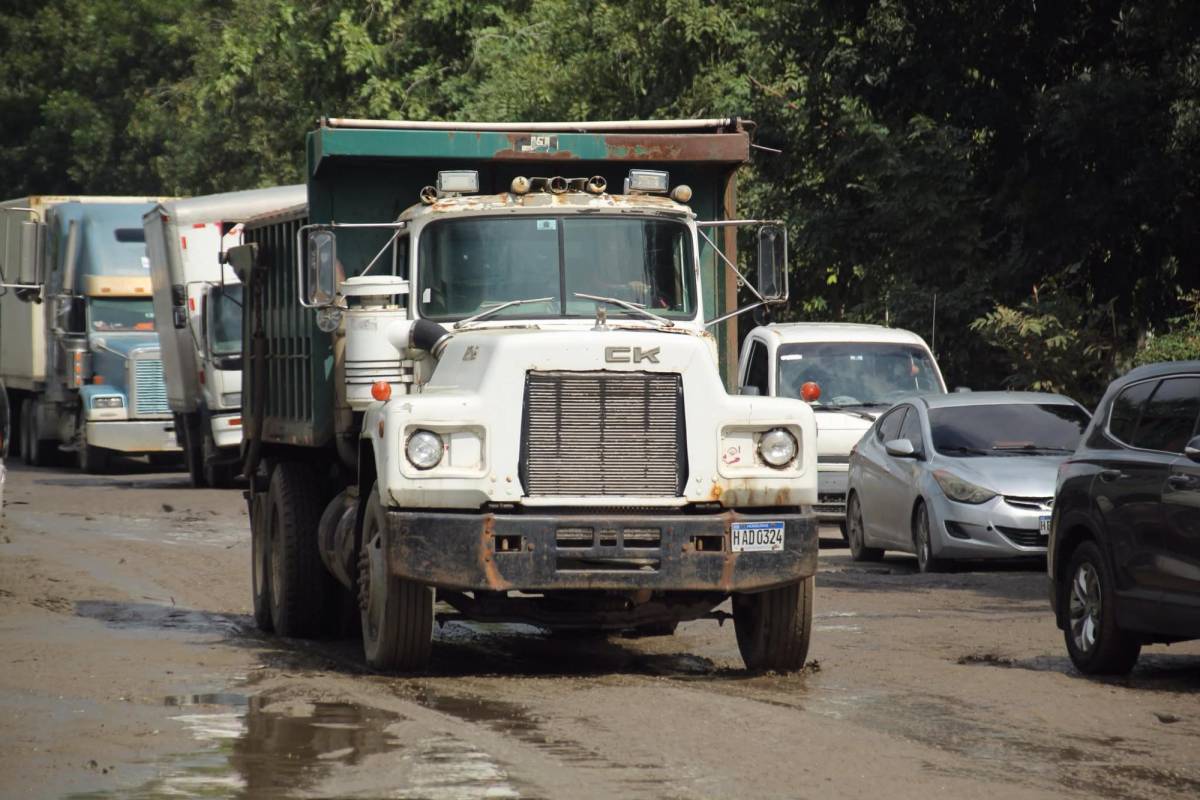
{"x": 660, "y": 552}
{"x": 134, "y": 436}
{"x": 227, "y": 430}
{"x": 995, "y": 529}
{"x": 831, "y": 492}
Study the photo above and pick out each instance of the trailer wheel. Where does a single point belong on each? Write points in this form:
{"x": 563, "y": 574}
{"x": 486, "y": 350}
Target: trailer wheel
{"x": 773, "y": 627}
{"x": 297, "y": 581}
{"x": 396, "y": 613}
{"x": 260, "y": 580}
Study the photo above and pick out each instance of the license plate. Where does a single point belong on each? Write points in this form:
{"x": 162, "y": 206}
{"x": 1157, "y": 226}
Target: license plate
{"x": 756, "y": 536}
{"x": 1044, "y": 524}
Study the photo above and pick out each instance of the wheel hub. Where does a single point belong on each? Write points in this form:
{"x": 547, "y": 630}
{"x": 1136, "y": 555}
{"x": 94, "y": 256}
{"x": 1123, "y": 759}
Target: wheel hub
{"x": 1085, "y": 604}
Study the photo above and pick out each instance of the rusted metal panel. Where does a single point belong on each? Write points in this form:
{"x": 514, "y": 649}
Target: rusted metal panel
{"x": 504, "y": 552}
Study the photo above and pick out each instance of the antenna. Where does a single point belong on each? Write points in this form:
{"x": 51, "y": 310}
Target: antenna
{"x": 933, "y": 332}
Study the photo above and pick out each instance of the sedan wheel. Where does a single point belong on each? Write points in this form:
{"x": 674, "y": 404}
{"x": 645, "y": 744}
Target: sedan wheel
{"x": 857, "y": 535}
{"x": 1094, "y": 642}
{"x": 923, "y": 541}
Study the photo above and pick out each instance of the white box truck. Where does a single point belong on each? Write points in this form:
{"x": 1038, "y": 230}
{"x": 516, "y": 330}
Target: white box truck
{"x": 198, "y": 313}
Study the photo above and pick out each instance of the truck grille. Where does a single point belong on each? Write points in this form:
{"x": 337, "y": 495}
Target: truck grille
{"x": 603, "y": 433}
{"x": 149, "y": 388}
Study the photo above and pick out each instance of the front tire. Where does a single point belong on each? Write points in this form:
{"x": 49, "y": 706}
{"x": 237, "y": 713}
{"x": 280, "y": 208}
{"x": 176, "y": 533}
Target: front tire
{"x": 923, "y": 541}
{"x": 396, "y": 613}
{"x": 300, "y": 588}
{"x": 192, "y": 455}
{"x": 216, "y": 475}
{"x": 92, "y": 460}
{"x": 774, "y": 627}
{"x": 1094, "y": 642}
{"x": 857, "y": 534}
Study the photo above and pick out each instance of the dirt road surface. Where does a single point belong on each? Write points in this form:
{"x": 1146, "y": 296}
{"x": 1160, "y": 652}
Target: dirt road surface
{"x": 129, "y": 667}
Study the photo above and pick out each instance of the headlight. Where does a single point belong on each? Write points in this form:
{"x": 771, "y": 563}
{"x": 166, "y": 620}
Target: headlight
{"x": 231, "y": 399}
{"x": 424, "y": 449}
{"x": 960, "y": 490}
{"x": 777, "y": 447}
{"x": 108, "y": 401}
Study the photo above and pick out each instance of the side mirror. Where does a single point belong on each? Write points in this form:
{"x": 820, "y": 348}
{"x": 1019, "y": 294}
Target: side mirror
{"x": 1192, "y": 449}
{"x": 242, "y": 258}
{"x": 322, "y": 271}
{"x": 772, "y": 263}
{"x": 900, "y": 448}
{"x": 749, "y": 390}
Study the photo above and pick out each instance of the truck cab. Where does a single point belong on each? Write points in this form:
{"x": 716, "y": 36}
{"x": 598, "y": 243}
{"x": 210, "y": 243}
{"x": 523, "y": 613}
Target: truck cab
{"x": 849, "y": 374}
{"x": 504, "y": 391}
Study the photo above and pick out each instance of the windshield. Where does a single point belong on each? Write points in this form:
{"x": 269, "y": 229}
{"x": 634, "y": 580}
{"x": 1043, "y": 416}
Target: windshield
{"x": 225, "y": 327}
{"x": 1007, "y": 429}
{"x": 121, "y": 314}
{"x": 856, "y": 373}
{"x": 467, "y": 266}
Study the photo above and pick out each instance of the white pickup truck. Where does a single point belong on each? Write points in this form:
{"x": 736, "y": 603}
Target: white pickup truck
{"x": 849, "y": 373}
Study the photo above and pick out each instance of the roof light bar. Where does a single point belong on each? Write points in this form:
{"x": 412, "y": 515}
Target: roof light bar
{"x": 649, "y": 181}
{"x": 459, "y": 181}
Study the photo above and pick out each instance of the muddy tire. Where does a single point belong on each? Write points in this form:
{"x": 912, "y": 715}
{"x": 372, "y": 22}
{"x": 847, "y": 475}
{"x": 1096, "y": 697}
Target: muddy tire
{"x": 299, "y": 587}
{"x": 857, "y": 535}
{"x": 774, "y": 627}
{"x": 1094, "y": 642}
{"x": 396, "y": 613}
{"x": 923, "y": 541}
{"x": 260, "y": 564}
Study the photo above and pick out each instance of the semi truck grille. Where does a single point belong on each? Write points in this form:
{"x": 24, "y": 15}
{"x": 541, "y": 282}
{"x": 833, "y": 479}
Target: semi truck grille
{"x": 603, "y": 433}
{"x": 149, "y": 388}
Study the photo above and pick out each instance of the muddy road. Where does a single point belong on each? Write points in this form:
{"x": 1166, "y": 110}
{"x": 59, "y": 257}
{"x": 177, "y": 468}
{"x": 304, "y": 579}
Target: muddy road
{"x": 129, "y": 667}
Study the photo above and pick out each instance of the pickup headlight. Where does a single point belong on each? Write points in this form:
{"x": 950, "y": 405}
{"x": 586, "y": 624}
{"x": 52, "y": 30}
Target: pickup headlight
{"x": 424, "y": 449}
{"x": 960, "y": 490}
{"x": 777, "y": 447}
{"x": 108, "y": 401}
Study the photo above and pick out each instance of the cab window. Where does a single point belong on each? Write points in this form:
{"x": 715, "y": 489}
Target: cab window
{"x": 756, "y": 369}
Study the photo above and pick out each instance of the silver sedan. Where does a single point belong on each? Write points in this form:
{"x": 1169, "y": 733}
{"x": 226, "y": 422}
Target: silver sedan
{"x": 960, "y": 476}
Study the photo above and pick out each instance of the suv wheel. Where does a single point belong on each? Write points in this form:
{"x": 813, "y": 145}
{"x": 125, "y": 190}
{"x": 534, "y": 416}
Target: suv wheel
{"x": 1094, "y": 642}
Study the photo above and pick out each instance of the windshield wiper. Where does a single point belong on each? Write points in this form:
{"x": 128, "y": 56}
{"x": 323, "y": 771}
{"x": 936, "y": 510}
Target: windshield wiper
{"x": 634, "y": 307}
{"x": 501, "y": 307}
{"x": 966, "y": 451}
{"x": 846, "y": 410}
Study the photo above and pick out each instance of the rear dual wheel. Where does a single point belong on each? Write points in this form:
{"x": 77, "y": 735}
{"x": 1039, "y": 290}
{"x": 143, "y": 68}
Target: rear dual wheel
{"x": 774, "y": 627}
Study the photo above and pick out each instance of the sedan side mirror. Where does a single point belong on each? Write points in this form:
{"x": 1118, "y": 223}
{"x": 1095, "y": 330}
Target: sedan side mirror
{"x": 900, "y": 448}
{"x": 1192, "y": 449}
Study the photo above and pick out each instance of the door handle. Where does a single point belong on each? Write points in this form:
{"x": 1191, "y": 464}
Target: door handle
{"x": 1181, "y": 482}
{"x": 1110, "y": 475}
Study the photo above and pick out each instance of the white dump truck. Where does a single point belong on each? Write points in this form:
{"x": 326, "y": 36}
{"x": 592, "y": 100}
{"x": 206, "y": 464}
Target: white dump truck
{"x": 198, "y": 314}
{"x": 849, "y": 374}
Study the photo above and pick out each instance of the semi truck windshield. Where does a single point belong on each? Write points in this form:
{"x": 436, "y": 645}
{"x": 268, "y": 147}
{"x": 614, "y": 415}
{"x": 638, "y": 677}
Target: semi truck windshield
{"x": 121, "y": 314}
{"x": 467, "y": 266}
{"x": 856, "y": 373}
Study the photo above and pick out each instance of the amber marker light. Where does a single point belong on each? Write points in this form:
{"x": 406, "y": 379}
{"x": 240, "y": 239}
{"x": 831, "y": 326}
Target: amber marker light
{"x": 381, "y": 390}
{"x": 810, "y": 391}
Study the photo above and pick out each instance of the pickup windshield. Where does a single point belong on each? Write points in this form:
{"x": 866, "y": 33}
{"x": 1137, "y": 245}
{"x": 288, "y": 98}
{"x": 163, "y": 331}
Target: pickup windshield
{"x": 467, "y": 266}
{"x": 1007, "y": 429}
{"x": 121, "y": 314}
{"x": 866, "y": 374}
{"x": 225, "y": 331}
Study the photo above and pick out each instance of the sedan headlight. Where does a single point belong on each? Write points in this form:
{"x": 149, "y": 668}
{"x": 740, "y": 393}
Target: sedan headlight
{"x": 108, "y": 401}
{"x": 424, "y": 449}
{"x": 961, "y": 490}
{"x": 777, "y": 447}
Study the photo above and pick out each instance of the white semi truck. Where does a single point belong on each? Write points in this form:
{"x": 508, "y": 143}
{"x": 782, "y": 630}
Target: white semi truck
{"x": 198, "y": 314}
{"x": 78, "y": 350}
{"x": 502, "y": 390}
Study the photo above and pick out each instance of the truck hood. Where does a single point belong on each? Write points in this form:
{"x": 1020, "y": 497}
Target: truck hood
{"x": 110, "y": 366}
{"x": 1014, "y": 476}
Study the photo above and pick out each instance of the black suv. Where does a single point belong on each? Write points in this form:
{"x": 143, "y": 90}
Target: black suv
{"x": 1124, "y": 549}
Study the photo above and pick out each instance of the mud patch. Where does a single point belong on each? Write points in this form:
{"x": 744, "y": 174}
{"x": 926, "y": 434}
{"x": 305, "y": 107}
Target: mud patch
{"x": 162, "y": 617}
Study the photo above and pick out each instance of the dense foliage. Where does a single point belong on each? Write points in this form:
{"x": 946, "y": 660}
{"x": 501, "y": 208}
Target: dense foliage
{"x": 1033, "y": 168}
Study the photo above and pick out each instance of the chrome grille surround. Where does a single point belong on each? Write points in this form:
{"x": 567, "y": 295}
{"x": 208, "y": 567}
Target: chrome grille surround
{"x": 603, "y": 433}
{"x": 147, "y": 385}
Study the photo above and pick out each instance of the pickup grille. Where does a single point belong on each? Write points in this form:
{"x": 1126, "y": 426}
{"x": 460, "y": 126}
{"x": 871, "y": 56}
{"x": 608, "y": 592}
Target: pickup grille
{"x": 603, "y": 433}
{"x": 149, "y": 389}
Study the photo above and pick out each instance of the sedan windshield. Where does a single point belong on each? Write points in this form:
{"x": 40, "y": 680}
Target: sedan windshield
{"x": 122, "y": 314}
{"x": 857, "y": 373}
{"x": 468, "y": 266}
{"x": 1007, "y": 429}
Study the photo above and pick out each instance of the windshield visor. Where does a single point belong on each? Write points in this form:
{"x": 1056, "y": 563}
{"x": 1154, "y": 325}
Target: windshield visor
{"x": 121, "y": 314}
{"x": 467, "y": 266}
{"x": 225, "y": 328}
{"x": 856, "y": 373}
{"x": 1011, "y": 429}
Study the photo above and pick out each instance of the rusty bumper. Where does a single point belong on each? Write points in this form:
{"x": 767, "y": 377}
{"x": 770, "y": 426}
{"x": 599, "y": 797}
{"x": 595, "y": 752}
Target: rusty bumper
{"x": 661, "y": 552}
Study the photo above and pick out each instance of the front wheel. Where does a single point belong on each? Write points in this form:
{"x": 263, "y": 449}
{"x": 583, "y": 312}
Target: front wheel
{"x": 396, "y": 613}
{"x": 1094, "y": 642}
{"x": 923, "y": 541}
{"x": 216, "y": 474}
{"x": 774, "y": 627}
{"x": 91, "y": 459}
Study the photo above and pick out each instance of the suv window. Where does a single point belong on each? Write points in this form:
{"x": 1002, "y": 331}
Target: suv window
{"x": 756, "y": 370}
{"x": 911, "y": 430}
{"x": 889, "y": 426}
{"x": 1169, "y": 417}
{"x": 1127, "y": 408}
